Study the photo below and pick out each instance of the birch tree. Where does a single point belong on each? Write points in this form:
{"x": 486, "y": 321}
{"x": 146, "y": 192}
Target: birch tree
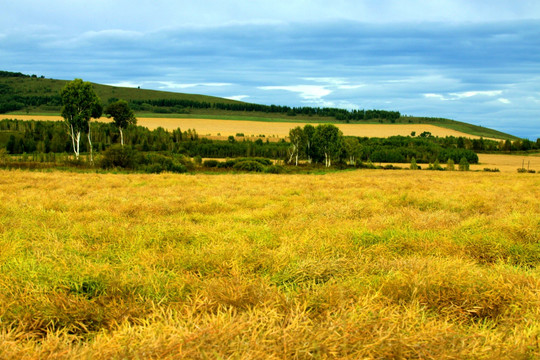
{"x": 122, "y": 115}
{"x": 328, "y": 140}
{"x": 309, "y": 131}
{"x": 97, "y": 111}
{"x": 79, "y": 101}
{"x": 297, "y": 138}
{"x": 352, "y": 148}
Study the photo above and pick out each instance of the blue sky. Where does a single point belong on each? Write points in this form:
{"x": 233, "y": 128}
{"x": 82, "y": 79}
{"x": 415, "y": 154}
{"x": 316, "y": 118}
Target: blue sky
{"x": 473, "y": 61}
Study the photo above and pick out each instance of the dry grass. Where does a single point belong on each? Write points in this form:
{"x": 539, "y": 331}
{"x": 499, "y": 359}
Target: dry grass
{"x": 365, "y": 264}
{"x": 226, "y": 128}
{"x": 502, "y": 162}
{"x": 508, "y": 163}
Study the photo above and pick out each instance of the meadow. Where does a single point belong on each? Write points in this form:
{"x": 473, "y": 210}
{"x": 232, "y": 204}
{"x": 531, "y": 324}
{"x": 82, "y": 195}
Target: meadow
{"x": 358, "y": 264}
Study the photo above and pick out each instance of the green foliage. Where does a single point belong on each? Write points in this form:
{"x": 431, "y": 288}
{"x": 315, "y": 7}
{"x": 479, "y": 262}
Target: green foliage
{"x": 463, "y": 164}
{"x": 274, "y": 169}
{"x": 413, "y": 166}
{"x": 450, "y": 165}
{"x": 248, "y": 165}
{"x": 262, "y": 161}
{"x": 210, "y": 163}
{"x": 227, "y": 164}
{"x": 4, "y": 157}
{"x": 80, "y": 103}
{"x": 328, "y": 141}
{"x": 435, "y": 166}
{"x": 157, "y": 163}
{"x": 122, "y": 115}
{"x": 120, "y": 156}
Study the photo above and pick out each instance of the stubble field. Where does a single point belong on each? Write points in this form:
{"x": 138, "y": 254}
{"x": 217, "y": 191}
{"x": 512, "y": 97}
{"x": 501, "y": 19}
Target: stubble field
{"x": 278, "y": 130}
{"x": 363, "y": 264}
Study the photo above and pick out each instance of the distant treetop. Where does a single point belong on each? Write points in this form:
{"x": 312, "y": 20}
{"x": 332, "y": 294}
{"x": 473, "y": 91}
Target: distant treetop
{"x": 12, "y": 74}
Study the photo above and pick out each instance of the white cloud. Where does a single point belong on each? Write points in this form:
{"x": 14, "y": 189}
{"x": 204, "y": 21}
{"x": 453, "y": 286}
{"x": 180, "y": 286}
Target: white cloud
{"x": 336, "y": 83}
{"x": 463, "y": 95}
{"x": 504, "y": 101}
{"x": 467, "y": 94}
{"x": 306, "y": 92}
{"x": 127, "y": 84}
{"x": 237, "y": 97}
{"x": 170, "y": 85}
{"x": 436, "y": 96}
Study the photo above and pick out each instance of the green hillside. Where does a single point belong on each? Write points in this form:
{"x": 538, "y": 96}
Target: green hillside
{"x": 24, "y": 94}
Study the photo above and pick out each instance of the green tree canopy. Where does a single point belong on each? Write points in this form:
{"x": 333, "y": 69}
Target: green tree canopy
{"x": 79, "y": 104}
{"x": 328, "y": 139}
{"x": 122, "y": 115}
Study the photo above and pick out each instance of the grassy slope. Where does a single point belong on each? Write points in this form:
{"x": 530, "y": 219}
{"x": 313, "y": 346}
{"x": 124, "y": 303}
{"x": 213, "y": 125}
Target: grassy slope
{"x": 366, "y": 264}
{"x": 48, "y": 87}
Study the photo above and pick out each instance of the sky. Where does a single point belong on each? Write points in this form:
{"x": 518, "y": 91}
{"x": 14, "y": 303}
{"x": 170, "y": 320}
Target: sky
{"x": 467, "y": 60}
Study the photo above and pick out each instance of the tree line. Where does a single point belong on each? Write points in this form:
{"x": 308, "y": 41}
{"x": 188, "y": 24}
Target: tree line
{"x": 180, "y": 105}
{"x": 52, "y": 137}
{"x": 326, "y": 144}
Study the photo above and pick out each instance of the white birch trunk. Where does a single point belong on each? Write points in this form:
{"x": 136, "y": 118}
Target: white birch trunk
{"x": 78, "y": 142}
{"x": 121, "y": 137}
{"x": 75, "y": 141}
{"x": 90, "y": 144}
{"x": 72, "y": 135}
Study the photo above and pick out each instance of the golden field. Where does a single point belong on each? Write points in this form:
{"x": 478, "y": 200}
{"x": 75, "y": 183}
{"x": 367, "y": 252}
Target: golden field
{"x": 225, "y": 128}
{"x": 507, "y": 163}
{"x": 360, "y": 264}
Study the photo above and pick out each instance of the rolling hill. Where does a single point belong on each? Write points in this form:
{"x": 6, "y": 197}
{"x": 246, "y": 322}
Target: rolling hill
{"x": 25, "y": 94}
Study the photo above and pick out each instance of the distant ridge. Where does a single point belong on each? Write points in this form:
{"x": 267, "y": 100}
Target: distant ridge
{"x": 32, "y": 94}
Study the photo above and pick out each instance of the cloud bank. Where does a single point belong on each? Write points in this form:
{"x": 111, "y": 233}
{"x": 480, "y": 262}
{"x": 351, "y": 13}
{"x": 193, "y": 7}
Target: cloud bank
{"x": 483, "y": 73}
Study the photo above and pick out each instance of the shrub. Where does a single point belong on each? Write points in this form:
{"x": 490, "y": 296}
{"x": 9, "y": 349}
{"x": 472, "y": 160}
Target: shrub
{"x": 450, "y": 165}
{"x": 198, "y": 159}
{"x": 275, "y": 169}
{"x": 210, "y": 163}
{"x": 260, "y": 160}
{"x": 249, "y": 165}
{"x": 157, "y": 163}
{"x": 226, "y": 164}
{"x": 3, "y": 156}
{"x": 491, "y": 170}
{"x": 414, "y": 166}
{"x": 120, "y": 156}
{"x": 463, "y": 164}
{"x": 435, "y": 166}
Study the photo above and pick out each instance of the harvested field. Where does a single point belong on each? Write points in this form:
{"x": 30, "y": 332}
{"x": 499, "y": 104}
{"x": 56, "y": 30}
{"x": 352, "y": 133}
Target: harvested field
{"x": 505, "y": 163}
{"x": 508, "y": 163}
{"x": 225, "y": 128}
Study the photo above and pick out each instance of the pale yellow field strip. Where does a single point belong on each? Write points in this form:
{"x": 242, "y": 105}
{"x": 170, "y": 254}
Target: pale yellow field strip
{"x": 212, "y": 127}
{"x": 507, "y": 163}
